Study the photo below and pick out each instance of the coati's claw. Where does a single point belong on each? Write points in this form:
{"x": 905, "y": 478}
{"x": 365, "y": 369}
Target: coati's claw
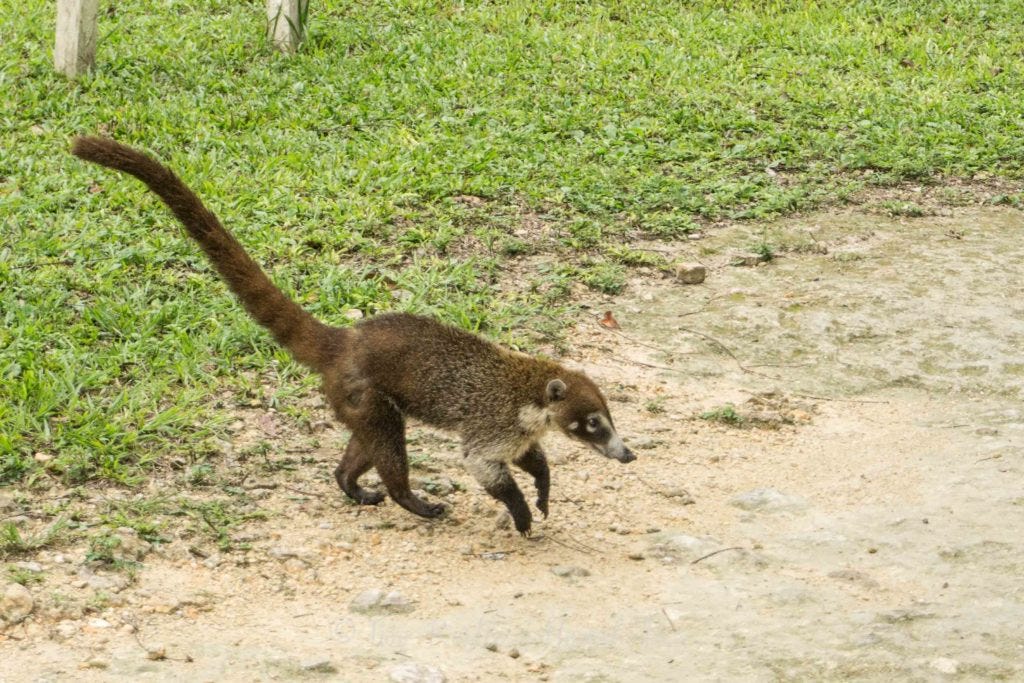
{"x": 542, "y": 505}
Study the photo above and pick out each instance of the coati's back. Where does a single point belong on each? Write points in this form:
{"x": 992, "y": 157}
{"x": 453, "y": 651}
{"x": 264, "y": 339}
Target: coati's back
{"x": 444, "y": 375}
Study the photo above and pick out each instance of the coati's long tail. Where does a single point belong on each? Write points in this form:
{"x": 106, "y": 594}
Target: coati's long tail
{"x": 307, "y": 339}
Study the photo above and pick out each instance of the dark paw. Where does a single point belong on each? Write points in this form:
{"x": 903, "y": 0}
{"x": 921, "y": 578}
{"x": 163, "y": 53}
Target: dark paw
{"x": 522, "y": 523}
{"x": 542, "y": 505}
{"x": 420, "y": 507}
{"x": 433, "y": 509}
{"x": 370, "y": 498}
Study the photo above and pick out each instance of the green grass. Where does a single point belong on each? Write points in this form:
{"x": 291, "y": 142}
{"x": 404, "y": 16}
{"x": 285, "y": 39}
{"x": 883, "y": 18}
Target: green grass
{"x": 726, "y": 415}
{"x": 342, "y": 167}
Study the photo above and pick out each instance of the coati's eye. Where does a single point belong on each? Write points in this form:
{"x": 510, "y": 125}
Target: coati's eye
{"x": 593, "y": 422}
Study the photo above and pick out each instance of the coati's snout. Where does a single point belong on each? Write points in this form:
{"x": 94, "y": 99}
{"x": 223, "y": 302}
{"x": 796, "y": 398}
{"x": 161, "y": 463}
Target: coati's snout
{"x": 584, "y": 417}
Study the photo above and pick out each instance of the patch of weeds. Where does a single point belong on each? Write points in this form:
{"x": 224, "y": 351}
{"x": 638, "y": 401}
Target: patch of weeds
{"x": 726, "y": 415}
{"x": 103, "y": 551}
{"x": 216, "y": 519}
{"x": 24, "y": 576}
{"x": 765, "y": 250}
{"x": 13, "y": 544}
{"x": 898, "y": 209}
{"x": 608, "y": 278}
{"x": 512, "y": 246}
{"x": 1016, "y": 200}
{"x": 201, "y": 475}
{"x": 628, "y": 256}
{"x": 583, "y": 234}
{"x": 668, "y": 225}
{"x": 655, "y": 406}
{"x": 140, "y": 515}
{"x": 100, "y": 601}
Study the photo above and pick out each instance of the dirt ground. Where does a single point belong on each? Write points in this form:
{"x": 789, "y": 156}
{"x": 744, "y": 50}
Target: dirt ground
{"x": 865, "y": 491}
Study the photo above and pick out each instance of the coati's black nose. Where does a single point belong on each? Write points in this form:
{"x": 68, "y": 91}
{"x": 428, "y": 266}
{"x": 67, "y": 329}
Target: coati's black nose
{"x": 627, "y": 456}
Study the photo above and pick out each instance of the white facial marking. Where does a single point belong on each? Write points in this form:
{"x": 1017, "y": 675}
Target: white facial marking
{"x": 573, "y": 426}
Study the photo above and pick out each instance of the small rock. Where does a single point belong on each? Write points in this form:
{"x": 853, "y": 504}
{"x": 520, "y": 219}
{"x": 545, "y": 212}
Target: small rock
{"x": 15, "y": 604}
{"x": 283, "y": 553}
{"x": 690, "y": 273}
{"x": 514, "y": 653}
{"x": 679, "y": 495}
{"x": 903, "y": 616}
{"x": 636, "y": 556}
{"x": 319, "y": 666}
{"x": 96, "y": 663}
{"x": 438, "y": 486}
{"x": 130, "y": 548}
{"x": 156, "y": 653}
{"x": 566, "y": 571}
{"x": 644, "y": 443}
{"x": 64, "y": 630}
{"x": 749, "y": 260}
{"x": 854, "y": 576}
{"x": 33, "y": 567}
{"x": 354, "y": 314}
{"x": 375, "y": 601}
{"x": 768, "y": 500}
{"x": 411, "y": 672}
{"x": 503, "y": 520}
{"x": 945, "y": 665}
{"x": 492, "y": 646}
{"x": 683, "y": 547}
{"x": 96, "y": 622}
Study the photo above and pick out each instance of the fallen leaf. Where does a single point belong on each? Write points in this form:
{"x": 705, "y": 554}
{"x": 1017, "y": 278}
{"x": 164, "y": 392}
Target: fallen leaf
{"x": 609, "y": 321}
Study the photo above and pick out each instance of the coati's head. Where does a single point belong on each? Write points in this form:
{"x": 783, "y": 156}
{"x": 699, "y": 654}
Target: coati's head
{"x": 580, "y": 411}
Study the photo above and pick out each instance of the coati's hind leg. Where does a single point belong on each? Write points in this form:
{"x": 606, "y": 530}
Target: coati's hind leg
{"x": 497, "y": 481}
{"x": 380, "y": 431}
{"x": 535, "y": 463}
{"x": 354, "y": 464}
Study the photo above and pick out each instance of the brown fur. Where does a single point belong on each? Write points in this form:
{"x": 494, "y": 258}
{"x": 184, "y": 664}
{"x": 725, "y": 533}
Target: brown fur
{"x": 394, "y": 366}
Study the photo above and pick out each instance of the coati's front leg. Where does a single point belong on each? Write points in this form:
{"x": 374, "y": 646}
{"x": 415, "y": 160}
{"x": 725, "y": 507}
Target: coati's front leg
{"x": 497, "y": 480}
{"x": 378, "y": 440}
{"x": 535, "y": 463}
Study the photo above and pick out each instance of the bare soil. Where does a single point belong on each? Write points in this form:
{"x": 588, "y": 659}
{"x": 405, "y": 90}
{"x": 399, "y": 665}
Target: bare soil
{"x": 865, "y": 384}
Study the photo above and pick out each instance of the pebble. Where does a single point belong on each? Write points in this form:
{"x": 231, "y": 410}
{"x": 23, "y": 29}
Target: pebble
{"x": 514, "y": 653}
{"x": 15, "y": 604}
{"x": 319, "y": 666}
{"x": 376, "y": 601}
{"x": 768, "y": 500}
{"x": 492, "y": 646}
{"x": 854, "y": 576}
{"x": 130, "y": 547}
{"x": 566, "y": 571}
{"x": 64, "y": 630}
{"x": 411, "y": 672}
{"x": 690, "y": 273}
{"x": 96, "y": 663}
{"x": 945, "y": 665}
{"x": 679, "y": 495}
{"x": 749, "y": 259}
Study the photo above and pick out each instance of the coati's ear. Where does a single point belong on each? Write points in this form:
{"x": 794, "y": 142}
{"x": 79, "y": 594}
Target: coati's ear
{"x": 555, "y": 390}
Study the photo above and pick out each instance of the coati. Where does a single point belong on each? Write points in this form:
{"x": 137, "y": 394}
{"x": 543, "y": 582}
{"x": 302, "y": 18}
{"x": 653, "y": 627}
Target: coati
{"x": 396, "y": 365}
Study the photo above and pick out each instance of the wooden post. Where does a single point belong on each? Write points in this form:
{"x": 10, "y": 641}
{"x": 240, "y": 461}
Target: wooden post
{"x": 286, "y": 23}
{"x": 74, "y": 51}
